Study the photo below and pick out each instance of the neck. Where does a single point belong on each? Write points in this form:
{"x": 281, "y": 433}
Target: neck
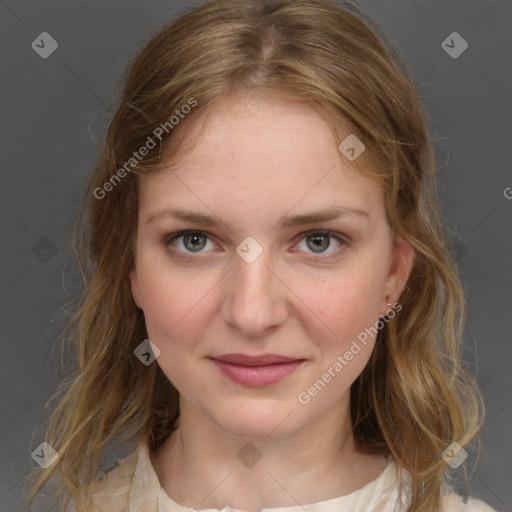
{"x": 203, "y": 466}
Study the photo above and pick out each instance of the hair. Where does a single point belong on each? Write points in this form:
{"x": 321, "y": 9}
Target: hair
{"x": 413, "y": 398}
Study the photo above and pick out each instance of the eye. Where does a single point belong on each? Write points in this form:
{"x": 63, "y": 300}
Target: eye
{"x": 192, "y": 241}
{"x": 183, "y": 244}
{"x": 319, "y": 241}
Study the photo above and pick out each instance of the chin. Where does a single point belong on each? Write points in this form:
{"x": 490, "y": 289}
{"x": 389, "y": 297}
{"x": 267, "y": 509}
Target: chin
{"x": 250, "y": 431}
{"x": 256, "y": 423}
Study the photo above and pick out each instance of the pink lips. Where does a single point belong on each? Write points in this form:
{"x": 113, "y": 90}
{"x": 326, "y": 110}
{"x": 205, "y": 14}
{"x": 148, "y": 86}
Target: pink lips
{"x": 256, "y": 371}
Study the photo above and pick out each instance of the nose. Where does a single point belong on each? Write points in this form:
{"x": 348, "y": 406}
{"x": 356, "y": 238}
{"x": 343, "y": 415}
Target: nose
{"x": 255, "y": 296}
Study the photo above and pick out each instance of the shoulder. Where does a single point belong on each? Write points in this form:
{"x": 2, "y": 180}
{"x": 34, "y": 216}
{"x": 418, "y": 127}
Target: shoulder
{"x": 455, "y": 503}
{"x": 450, "y": 500}
{"x": 112, "y": 492}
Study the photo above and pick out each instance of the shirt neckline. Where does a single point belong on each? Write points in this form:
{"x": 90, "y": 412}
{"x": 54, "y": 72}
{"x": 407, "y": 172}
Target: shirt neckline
{"x": 147, "y": 489}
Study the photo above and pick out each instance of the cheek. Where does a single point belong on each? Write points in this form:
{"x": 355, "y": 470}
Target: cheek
{"x": 175, "y": 302}
{"x": 345, "y": 302}
{"x": 345, "y": 337}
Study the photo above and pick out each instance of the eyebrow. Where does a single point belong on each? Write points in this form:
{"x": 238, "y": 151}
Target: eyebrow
{"x": 311, "y": 217}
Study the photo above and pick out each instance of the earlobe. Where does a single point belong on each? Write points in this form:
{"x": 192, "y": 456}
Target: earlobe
{"x": 135, "y": 288}
{"x": 399, "y": 271}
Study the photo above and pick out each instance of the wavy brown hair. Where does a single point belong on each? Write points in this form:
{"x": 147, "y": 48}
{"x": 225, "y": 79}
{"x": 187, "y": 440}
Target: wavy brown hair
{"x": 414, "y": 397}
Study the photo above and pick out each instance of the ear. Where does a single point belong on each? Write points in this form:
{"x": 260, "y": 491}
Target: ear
{"x": 399, "y": 271}
{"x": 134, "y": 282}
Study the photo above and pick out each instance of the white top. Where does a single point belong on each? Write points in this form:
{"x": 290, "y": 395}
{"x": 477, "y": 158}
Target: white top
{"x": 133, "y": 486}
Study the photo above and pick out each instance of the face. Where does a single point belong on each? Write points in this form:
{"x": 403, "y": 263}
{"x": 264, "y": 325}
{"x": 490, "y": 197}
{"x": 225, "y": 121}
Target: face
{"x": 254, "y": 303}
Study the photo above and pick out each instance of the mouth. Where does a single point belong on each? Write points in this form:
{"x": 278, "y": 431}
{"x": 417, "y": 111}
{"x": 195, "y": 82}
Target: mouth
{"x": 256, "y": 371}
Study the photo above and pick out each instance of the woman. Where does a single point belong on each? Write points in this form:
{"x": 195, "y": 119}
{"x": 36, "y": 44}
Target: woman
{"x": 270, "y": 311}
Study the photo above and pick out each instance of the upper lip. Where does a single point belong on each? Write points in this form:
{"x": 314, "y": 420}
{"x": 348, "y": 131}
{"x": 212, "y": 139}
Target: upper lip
{"x": 246, "y": 360}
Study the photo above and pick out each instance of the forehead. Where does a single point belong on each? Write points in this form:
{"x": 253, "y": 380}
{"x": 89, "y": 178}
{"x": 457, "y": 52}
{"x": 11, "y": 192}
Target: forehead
{"x": 253, "y": 150}
{"x": 257, "y": 126}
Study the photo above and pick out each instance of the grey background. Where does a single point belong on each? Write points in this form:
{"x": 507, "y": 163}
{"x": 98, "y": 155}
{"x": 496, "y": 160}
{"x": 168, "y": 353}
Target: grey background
{"x": 54, "y": 109}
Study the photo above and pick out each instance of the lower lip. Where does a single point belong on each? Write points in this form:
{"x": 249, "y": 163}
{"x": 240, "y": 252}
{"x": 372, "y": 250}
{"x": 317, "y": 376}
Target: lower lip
{"x": 257, "y": 376}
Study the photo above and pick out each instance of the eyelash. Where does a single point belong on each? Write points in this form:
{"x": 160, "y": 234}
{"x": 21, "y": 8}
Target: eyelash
{"x": 188, "y": 256}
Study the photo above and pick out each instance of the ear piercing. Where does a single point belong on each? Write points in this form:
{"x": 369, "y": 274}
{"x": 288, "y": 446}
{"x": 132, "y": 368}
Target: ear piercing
{"x": 385, "y": 315}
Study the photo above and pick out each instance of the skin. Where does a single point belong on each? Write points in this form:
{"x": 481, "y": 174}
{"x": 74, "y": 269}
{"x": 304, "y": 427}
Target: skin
{"x": 260, "y": 159}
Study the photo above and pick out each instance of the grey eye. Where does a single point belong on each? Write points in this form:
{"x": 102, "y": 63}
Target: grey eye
{"x": 319, "y": 241}
{"x": 194, "y": 241}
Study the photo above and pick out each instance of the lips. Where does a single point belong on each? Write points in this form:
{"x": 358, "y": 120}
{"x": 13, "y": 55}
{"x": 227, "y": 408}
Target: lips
{"x": 246, "y": 360}
{"x": 256, "y": 371}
